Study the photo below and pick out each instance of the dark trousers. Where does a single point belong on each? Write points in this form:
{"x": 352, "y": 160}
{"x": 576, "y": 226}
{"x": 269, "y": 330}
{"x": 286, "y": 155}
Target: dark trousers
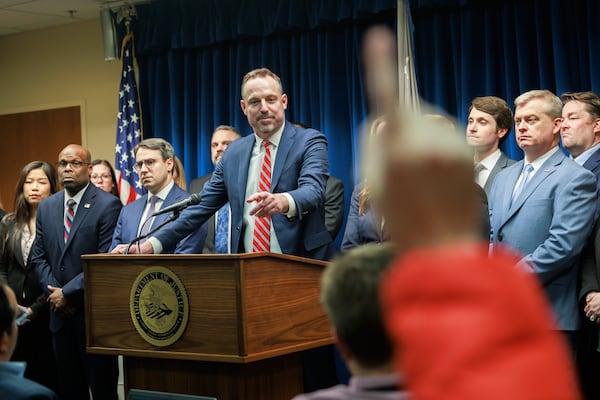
{"x": 80, "y": 372}
{"x": 588, "y": 360}
{"x": 319, "y": 368}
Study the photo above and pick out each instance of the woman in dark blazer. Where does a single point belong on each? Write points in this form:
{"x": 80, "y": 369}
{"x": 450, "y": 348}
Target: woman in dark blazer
{"x": 17, "y": 232}
{"x": 364, "y": 225}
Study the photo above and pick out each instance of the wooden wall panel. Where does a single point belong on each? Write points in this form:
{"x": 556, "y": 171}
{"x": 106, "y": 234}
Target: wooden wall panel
{"x": 34, "y": 135}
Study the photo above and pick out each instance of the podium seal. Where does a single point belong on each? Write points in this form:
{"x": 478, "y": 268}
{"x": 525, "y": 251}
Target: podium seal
{"x": 159, "y": 306}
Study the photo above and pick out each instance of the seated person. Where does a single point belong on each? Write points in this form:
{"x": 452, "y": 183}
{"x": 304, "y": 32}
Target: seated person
{"x": 13, "y": 385}
{"x": 350, "y": 295}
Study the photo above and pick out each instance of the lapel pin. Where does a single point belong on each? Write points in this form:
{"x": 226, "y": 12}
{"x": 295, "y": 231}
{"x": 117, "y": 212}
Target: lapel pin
{"x": 547, "y": 170}
{"x": 87, "y": 205}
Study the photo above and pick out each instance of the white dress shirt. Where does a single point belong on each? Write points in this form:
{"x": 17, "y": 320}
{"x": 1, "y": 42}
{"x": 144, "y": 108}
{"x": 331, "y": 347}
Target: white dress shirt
{"x": 256, "y": 159}
{"x": 487, "y": 165}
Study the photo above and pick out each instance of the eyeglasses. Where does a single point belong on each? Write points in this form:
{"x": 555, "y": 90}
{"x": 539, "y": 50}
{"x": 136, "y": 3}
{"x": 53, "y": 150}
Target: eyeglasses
{"x": 148, "y": 163}
{"x": 62, "y": 164}
{"x": 104, "y": 177}
{"x": 22, "y": 317}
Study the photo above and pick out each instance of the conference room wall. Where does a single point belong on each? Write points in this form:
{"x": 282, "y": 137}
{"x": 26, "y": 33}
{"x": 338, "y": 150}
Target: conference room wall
{"x": 60, "y": 67}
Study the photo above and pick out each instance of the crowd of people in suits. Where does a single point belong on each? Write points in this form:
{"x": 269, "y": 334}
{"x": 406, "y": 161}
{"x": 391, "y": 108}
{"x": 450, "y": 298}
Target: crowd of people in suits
{"x": 271, "y": 192}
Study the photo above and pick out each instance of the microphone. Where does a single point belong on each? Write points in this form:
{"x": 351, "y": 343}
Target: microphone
{"x": 180, "y": 205}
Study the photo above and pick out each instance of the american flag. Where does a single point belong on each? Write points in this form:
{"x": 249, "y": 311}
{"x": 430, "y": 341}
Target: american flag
{"x": 129, "y": 131}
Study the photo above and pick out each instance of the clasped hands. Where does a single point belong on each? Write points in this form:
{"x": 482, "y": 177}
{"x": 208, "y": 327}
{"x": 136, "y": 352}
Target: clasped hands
{"x": 592, "y": 307}
{"x": 58, "y": 303}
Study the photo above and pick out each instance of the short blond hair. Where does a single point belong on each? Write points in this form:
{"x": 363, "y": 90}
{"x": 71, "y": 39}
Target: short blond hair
{"x": 552, "y": 106}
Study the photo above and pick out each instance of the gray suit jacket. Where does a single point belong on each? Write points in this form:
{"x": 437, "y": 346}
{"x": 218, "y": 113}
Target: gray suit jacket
{"x": 502, "y": 163}
{"x": 548, "y": 224}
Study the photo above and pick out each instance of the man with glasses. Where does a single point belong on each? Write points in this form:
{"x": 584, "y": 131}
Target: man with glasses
{"x": 77, "y": 220}
{"x": 154, "y": 165}
{"x": 12, "y": 383}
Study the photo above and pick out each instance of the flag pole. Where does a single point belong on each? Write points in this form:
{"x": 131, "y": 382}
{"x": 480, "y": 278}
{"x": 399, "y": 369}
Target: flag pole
{"x": 129, "y": 124}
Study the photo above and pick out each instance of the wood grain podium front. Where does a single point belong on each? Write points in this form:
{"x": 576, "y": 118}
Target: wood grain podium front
{"x": 250, "y": 316}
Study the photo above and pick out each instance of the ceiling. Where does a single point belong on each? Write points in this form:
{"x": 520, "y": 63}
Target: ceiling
{"x": 28, "y": 15}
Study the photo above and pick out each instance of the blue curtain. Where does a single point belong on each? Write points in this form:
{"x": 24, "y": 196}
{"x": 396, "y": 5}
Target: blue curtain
{"x": 469, "y": 48}
{"x": 192, "y": 56}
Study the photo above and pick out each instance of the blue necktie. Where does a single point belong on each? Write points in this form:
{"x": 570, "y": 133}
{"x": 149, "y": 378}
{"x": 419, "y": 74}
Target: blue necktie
{"x": 526, "y": 175}
{"x": 222, "y": 231}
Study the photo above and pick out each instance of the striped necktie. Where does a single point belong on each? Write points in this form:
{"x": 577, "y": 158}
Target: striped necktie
{"x": 69, "y": 216}
{"x": 261, "y": 241}
{"x": 147, "y": 220}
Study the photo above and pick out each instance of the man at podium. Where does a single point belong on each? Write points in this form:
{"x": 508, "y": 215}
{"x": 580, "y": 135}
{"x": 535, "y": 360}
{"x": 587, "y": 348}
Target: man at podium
{"x": 274, "y": 180}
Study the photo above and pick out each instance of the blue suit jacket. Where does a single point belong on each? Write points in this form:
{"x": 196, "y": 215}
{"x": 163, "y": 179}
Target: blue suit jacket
{"x": 549, "y": 224}
{"x": 58, "y": 263}
{"x": 15, "y": 387}
{"x": 593, "y": 164}
{"x": 129, "y": 221}
{"x": 300, "y": 169}
{"x": 361, "y": 229}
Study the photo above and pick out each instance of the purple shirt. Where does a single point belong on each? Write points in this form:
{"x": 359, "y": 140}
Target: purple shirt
{"x": 361, "y": 387}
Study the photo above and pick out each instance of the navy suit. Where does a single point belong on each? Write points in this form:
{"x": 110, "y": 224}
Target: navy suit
{"x": 300, "y": 169}
{"x": 59, "y": 264}
{"x": 593, "y": 164}
{"x": 334, "y": 209}
{"x": 196, "y": 186}
{"x": 549, "y": 224}
{"x": 361, "y": 229}
{"x": 131, "y": 215}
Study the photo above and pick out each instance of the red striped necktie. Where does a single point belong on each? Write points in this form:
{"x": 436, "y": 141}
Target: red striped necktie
{"x": 69, "y": 216}
{"x": 261, "y": 241}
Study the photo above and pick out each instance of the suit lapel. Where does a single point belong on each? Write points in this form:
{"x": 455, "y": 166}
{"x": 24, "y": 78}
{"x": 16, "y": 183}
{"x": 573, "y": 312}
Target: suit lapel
{"x": 58, "y": 215}
{"x": 245, "y": 152}
{"x": 540, "y": 176}
{"x": 499, "y": 166}
{"x": 83, "y": 209}
{"x": 171, "y": 198}
{"x": 593, "y": 163}
{"x": 511, "y": 181}
{"x": 285, "y": 144}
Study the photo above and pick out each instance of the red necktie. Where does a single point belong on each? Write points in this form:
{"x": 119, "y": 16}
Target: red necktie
{"x": 69, "y": 215}
{"x": 261, "y": 241}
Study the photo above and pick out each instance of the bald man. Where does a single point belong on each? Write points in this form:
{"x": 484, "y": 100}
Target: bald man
{"x": 77, "y": 220}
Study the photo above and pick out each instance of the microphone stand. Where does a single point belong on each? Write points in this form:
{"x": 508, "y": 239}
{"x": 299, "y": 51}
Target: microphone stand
{"x": 171, "y": 218}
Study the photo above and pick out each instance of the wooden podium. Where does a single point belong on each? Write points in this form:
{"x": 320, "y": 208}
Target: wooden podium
{"x": 250, "y": 316}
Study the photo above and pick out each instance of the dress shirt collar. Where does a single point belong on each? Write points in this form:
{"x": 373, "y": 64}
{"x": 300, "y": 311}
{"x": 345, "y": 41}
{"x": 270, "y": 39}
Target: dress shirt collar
{"x": 491, "y": 160}
{"x": 162, "y": 195}
{"x": 15, "y": 368}
{"x": 275, "y": 139}
{"x": 538, "y": 162}
{"x": 583, "y": 157}
{"x": 77, "y": 196}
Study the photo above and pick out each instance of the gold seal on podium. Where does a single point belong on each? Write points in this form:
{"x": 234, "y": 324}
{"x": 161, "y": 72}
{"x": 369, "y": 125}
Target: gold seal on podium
{"x": 159, "y": 306}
